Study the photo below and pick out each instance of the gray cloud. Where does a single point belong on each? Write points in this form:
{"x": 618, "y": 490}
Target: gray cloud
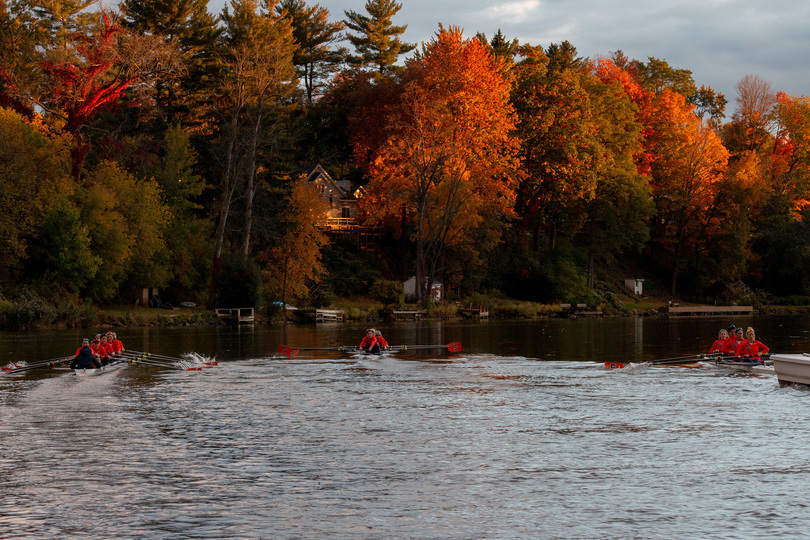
{"x": 720, "y": 41}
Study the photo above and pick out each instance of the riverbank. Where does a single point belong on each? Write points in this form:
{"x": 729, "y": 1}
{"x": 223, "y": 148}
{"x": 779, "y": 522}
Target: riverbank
{"x": 30, "y": 316}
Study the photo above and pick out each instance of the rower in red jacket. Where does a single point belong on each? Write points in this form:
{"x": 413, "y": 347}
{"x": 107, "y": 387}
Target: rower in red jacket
{"x": 117, "y": 346}
{"x": 381, "y": 340}
{"x": 734, "y": 342}
{"x": 107, "y": 344}
{"x": 751, "y": 347}
{"x": 369, "y": 343}
{"x": 720, "y": 344}
{"x": 100, "y": 351}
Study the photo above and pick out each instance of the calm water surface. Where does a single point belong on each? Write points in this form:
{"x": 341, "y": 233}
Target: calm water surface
{"x": 523, "y": 435}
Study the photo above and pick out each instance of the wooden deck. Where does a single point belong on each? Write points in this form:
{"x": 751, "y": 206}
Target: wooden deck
{"x": 237, "y": 315}
{"x": 482, "y": 312}
{"x": 579, "y": 310}
{"x": 687, "y": 311}
{"x": 328, "y": 315}
{"x": 415, "y": 314}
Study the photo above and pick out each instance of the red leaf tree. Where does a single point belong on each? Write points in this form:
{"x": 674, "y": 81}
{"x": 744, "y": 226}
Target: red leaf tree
{"x": 86, "y": 86}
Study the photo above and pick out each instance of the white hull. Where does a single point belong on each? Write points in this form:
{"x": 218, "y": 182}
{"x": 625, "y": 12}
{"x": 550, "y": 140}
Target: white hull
{"x": 103, "y": 369}
{"x": 792, "y": 368}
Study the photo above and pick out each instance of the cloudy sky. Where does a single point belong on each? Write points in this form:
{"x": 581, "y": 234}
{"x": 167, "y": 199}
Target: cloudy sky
{"x": 720, "y": 41}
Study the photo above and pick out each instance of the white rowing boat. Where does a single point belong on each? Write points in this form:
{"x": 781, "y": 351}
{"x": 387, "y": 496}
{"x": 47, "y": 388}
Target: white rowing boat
{"x": 792, "y": 368}
{"x": 113, "y": 366}
{"x": 747, "y": 367}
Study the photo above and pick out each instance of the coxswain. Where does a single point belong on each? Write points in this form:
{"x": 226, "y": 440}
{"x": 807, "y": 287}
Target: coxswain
{"x": 751, "y": 347}
{"x": 381, "y": 340}
{"x": 720, "y": 344}
{"x": 85, "y": 343}
{"x": 369, "y": 343}
{"x": 85, "y": 357}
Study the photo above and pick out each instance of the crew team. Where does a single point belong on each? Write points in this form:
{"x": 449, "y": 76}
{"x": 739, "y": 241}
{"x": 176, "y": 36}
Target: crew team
{"x": 373, "y": 342}
{"x": 735, "y": 342}
{"x": 103, "y": 349}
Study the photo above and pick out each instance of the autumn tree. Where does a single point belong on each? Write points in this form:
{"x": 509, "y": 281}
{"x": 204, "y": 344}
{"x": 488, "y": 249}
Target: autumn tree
{"x": 315, "y": 59}
{"x": 187, "y": 27}
{"x": 751, "y": 125}
{"x": 85, "y": 87}
{"x": 618, "y": 216}
{"x": 447, "y": 156}
{"x": 259, "y": 81}
{"x": 376, "y": 39}
{"x": 560, "y": 152}
{"x": 127, "y": 224}
{"x": 685, "y": 176}
{"x": 33, "y": 163}
{"x": 781, "y": 236}
{"x": 20, "y": 58}
{"x": 294, "y": 264}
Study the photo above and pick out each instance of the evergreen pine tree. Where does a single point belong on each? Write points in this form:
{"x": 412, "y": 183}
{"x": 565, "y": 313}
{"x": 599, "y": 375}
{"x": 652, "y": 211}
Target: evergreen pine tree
{"x": 314, "y": 59}
{"x": 377, "y": 41}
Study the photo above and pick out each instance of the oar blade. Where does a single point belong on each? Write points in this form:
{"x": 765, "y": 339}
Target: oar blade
{"x": 454, "y": 347}
{"x": 286, "y": 350}
{"x": 615, "y": 365}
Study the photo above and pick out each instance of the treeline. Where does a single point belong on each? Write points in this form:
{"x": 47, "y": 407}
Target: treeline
{"x": 164, "y": 146}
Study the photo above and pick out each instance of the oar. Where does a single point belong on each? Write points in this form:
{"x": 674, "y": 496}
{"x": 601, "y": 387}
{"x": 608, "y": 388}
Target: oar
{"x": 162, "y": 358}
{"x": 452, "y": 347}
{"x": 665, "y": 361}
{"x": 292, "y": 351}
{"x": 36, "y": 365}
{"x": 756, "y": 358}
{"x": 145, "y": 362}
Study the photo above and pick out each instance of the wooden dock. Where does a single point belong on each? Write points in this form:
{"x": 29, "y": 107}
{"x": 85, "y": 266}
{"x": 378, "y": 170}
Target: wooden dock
{"x": 328, "y": 315}
{"x": 237, "y": 315}
{"x": 482, "y": 312}
{"x": 578, "y": 310}
{"x": 691, "y": 311}
{"x": 415, "y": 314}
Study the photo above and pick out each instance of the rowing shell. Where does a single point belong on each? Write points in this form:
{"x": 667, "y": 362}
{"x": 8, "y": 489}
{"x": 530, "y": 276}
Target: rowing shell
{"x": 114, "y": 366}
{"x": 748, "y": 367}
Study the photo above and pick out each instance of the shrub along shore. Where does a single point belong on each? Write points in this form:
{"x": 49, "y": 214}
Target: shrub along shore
{"x": 37, "y": 313}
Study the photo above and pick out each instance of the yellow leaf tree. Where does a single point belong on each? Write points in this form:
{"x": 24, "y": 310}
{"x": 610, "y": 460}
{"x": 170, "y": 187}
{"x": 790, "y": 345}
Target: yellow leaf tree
{"x": 296, "y": 261}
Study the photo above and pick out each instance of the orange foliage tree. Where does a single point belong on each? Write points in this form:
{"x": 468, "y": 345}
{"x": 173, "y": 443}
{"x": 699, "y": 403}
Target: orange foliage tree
{"x": 687, "y": 170}
{"x": 791, "y": 164}
{"x": 685, "y": 161}
{"x": 446, "y": 156}
{"x": 291, "y": 267}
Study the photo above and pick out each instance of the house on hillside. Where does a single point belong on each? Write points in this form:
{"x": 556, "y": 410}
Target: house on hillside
{"x": 337, "y": 194}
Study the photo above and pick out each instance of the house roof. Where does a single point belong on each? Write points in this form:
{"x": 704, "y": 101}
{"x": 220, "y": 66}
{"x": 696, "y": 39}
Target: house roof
{"x": 320, "y": 173}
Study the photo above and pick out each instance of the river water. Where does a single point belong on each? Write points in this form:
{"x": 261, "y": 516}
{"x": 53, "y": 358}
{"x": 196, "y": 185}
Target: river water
{"x": 522, "y": 435}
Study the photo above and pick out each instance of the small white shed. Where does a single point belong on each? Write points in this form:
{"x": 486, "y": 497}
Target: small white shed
{"x": 635, "y": 285}
{"x": 410, "y": 289}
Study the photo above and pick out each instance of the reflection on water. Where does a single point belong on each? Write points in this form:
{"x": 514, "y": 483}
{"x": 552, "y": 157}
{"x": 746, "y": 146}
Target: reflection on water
{"x": 488, "y": 444}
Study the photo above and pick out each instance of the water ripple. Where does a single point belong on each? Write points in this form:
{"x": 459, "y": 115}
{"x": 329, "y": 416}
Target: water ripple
{"x": 483, "y": 446}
